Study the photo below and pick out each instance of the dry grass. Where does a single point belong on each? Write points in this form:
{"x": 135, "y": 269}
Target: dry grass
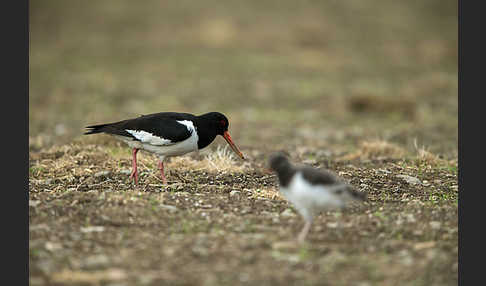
{"x": 363, "y": 101}
{"x": 268, "y": 193}
{"x": 375, "y": 149}
{"x": 89, "y": 277}
{"x": 222, "y": 159}
{"x": 423, "y": 155}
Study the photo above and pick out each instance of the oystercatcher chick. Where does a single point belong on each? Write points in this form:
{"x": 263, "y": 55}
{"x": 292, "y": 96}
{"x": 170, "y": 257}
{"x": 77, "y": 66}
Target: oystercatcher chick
{"x": 167, "y": 134}
{"x": 310, "y": 190}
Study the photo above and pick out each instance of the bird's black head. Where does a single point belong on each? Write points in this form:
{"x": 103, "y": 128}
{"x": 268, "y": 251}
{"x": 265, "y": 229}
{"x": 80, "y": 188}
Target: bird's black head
{"x": 218, "y": 124}
{"x": 279, "y": 161}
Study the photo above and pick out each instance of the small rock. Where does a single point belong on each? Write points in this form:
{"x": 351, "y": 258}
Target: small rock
{"x": 52, "y": 246}
{"x": 309, "y": 161}
{"x": 363, "y": 186}
{"x": 384, "y": 171}
{"x": 405, "y": 257}
{"x": 33, "y": 203}
{"x": 126, "y": 172}
{"x": 409, "y": 179}
{"x": 332, "y": 224}
{"x": 39, "y": 227}
{"x": 435, "y": 224}
{"x": 287, "y": 213}
{"x": 95, "y": 262}
{"x": 102, "y": 173}
{"x": 34, "y": 281}
{"x": 92, "y": 229}
{"x": 168, "y": 207}
{"x": 424, "y": 245}
{"x": 235, "y": 194}
{"x": 410, "y": 218}
{"x": 285, "y": 245}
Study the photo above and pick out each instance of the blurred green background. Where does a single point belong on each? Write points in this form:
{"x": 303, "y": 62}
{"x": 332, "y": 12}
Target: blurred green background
{"x": 282, "y": 71}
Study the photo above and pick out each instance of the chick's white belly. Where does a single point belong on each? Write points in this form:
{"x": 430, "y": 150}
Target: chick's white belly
{"x": 309, "y": 199}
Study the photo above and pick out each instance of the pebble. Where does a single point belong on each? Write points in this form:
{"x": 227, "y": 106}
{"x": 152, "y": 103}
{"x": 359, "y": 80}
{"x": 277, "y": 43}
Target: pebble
{"x": 287, "y": 213}
{"x": 409, "y": 179}
{"x": 235, "y": 194}
{"x": 95, "y": 262}
{"x": 33, "y": 203}
{"x": 332, "y": 224}
{"x": 102, "y": 173}
{"x": 435, "y": 224}
{"x": 89, "y": 229}
{"x": 168, "y": 207}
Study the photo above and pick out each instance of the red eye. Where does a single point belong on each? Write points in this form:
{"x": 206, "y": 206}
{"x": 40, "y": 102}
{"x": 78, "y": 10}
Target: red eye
{"x": 223, "y": 123}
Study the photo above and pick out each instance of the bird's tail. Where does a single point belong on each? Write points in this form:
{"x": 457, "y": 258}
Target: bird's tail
{"x": 349, "y": 191}
{"x": 359, "y": 196}
{"x": 93, "y": 129}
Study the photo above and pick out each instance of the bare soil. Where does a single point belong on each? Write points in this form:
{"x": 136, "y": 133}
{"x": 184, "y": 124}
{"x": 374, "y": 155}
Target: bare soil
{"x": 368, "y": 91}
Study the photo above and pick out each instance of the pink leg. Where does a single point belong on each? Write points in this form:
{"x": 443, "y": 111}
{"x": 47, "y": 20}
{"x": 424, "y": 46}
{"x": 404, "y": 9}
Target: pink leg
{"x": 134, "y": 173}
{"x": 161, "y": 167}
{"x": 304, "y": 232}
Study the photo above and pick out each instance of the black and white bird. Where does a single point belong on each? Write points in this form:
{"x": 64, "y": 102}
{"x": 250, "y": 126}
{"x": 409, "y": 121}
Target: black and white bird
{"x": 167, "y": 134}
{"x": 311, "y": 190}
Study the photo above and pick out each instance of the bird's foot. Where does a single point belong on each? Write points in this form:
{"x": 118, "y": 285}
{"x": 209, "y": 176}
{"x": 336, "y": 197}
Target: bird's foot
{"x": 134, "y": 176}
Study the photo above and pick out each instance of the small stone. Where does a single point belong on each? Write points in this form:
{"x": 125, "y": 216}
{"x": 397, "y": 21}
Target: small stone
{"x": 384, "y": 171}
{"x": 92, "y": 229}
{"x": 284, "y": 245}
{"x": 332, "y": 224}
{"x": 52, "y": 246}
{"x": 435, "y": 224}
{"x": 410, "y": 218}
{"x": 39, "y": 227}
{"x": 95, "y": 262}
{"x": 409, "y": 179}
{"x": 424, "y": 245}
{"x": 287, "y": 213}
{"x": 33, "y": 203}
{"x": 168, "y": 207}
{"x": 235, "y": 194}
{"x": 102, "y": 173}
{"x": 34, "y": 281}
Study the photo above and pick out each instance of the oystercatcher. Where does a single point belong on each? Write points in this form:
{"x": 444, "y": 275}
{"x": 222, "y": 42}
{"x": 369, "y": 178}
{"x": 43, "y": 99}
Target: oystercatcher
{"x": 167, "y": 134}
{"x": 310, "y": 190}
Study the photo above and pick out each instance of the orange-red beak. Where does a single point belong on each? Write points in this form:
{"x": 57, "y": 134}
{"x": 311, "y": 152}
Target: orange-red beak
{"x": 232, "y": 145}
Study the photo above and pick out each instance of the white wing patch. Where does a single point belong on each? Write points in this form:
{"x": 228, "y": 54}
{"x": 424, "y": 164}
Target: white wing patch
{"x": 147, "y": 137}
{"x": 189, "y": 125}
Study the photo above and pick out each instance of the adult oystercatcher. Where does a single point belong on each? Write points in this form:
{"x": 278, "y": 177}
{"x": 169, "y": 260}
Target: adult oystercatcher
{"x": 310, "y": 190}
{"x": 167, "y": 134}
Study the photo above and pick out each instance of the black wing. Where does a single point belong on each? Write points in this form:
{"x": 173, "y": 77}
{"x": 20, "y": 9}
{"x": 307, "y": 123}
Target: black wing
{"x": 163, "y": 125}
{"x": 318, "y": 177}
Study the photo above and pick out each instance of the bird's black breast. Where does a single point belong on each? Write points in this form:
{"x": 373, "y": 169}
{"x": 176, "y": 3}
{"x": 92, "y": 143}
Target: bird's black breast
{"x": 285, "y": 175}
